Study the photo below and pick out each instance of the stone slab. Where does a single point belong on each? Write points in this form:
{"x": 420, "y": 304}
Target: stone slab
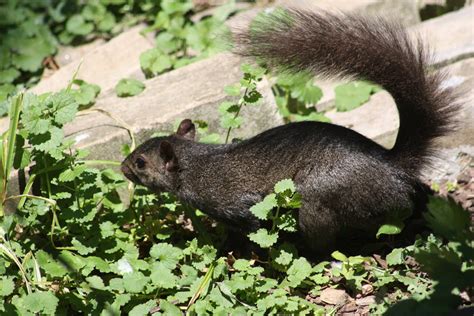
{"x": 451, "y": 36}
{"x": 105, "y": 65}
{"x": 406, "y": 10}
{"x": 68, "y": 54}
{"x": 374, "y": 119}
{"x": 194, "y": 91}
{"x": 378, "y": 118}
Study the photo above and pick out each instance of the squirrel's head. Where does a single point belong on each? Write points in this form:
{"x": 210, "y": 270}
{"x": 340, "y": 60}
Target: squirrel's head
{"x": 154, "y": 163}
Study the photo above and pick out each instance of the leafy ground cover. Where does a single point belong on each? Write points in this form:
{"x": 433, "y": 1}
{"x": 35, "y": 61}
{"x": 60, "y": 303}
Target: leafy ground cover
{"x": 83, "y": 241}
{"x": 31, "y": 32}
{"x": 74, "y": 239}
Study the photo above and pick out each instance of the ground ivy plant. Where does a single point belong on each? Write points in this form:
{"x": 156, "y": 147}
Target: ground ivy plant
{"x": 31, "y": 32}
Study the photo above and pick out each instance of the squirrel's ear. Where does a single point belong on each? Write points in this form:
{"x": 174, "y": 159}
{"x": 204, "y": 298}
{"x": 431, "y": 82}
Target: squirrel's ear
{"x": 168, "y": 156}
{"x": 186, "y": 129}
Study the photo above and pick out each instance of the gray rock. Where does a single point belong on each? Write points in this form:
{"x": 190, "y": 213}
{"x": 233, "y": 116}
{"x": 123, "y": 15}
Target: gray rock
{"x": 194, "y": 91}
{"x": 451, "y": 36}
{"x": 448, "y": 164}
{"x": 334, "y": 296}
{"x": 405, "y": 10}
{"x": 378, "y": 118}
{"x": 68, "y": 54}
{"x": 462, "y": 79}
{"x": 105, "y": 65}
{"x": 423, "y": 3}
{"x": 364, "y": 301}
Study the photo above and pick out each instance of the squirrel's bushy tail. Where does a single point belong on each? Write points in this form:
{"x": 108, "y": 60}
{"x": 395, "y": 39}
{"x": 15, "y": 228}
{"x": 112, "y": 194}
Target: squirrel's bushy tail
{"x": 368, "y": 48}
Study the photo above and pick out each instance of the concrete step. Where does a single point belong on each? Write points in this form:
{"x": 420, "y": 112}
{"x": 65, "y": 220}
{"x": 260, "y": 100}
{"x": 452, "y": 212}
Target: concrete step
{"x": 194, "y": 91}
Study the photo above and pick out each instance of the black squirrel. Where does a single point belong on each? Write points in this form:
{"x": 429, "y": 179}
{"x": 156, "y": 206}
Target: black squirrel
{"x": 347, "y": 181}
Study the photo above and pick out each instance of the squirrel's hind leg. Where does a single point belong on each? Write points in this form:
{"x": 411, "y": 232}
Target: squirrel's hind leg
{"x": 317, "y": 225}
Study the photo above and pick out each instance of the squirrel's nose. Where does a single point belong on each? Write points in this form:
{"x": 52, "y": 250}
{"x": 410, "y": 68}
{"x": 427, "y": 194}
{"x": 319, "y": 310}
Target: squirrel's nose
{"x": 125, "y": 169}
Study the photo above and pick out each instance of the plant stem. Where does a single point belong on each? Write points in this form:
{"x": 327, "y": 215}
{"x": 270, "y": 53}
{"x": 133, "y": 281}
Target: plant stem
{"x": 240, "y": 104}
{"x": 274, "y": 219}
{"x": 8, "y": 152}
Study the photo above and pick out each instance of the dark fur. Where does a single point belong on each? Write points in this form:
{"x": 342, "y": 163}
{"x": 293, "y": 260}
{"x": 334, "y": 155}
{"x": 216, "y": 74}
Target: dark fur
{"x": 347, "y": 181}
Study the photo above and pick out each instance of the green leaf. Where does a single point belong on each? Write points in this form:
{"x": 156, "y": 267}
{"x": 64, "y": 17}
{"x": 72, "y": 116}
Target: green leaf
{"x": 351, "y": 95}
{"x": 312, "y": 116}
{"x": 252, "y": 97}
{"x": 320, "y": 266}
{"x": 284, "y": 258}
{"x": 339, "y": 256}
{"x": 77, "y": 25}
{"x": 41, "y": 302}
{"x": 265, "y": 284}
{"x": 167, "y": 42}
{"x": 28, "y": 62}
{"x": 86, "y": 94}
{"x": 64, "y": 106}
{"x": 230, "y": 121}
{"x": 81, "y": 248}
{"x": 239, "y": 283}
{"x": 287, "y": 222}
{"x": 320, "y": 279}
{"x": 307, "y": 93}
{"x": 134, "y": 282}
{"x": 93, "y": 11}
{"x": 394, "y": 222}
{"x": 97, "y": 263}
{"x": 222, "y": 300}
{"x": 284, "y": 185}
{"x": 390, "y": 228}
{"x": 170, "y": 309}
{"x": 5, "y": 91}
{"x": 107, "y": 22}
{"x": 107, "y": 229}
{"x": 395, "y": 257}
{"x": 167, "y": 254}
{"x": 213, "y": 138}
{"x": 162, "y": 277}
{"x": 129, "y": 87}
{"x": 142, "y": 309}
{"x": 49, "y": 265}
{"x": 301, "y": 87}
{"x": 71, "y": 261}
{"x": 171, "y": 6}
{"x": 228, "y": 107}
{"x": 6, "y": 285}
{"x": 254, "y": 71}
{"x": 153, "y": 62}
{"x": 69, "y": 175}
{"x": 447, "y": 218}
{"x": 232, "y": 90}
{"x": 8, "y": 75}
{"x": 95, "y": 282}
{"x": 241, "y": 265}
{"x": 263, "y": 208}
{"x": 293, "y": 202}
{"x": 116, "y": 284}
{"x": 263, "y": 238}
{"x": 222, "y": 12}
{"x": 299, "y": 270}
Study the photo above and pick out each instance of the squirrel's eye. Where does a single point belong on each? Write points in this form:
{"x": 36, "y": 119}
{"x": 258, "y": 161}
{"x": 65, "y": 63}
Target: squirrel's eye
{"x": 140, "y": 163}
